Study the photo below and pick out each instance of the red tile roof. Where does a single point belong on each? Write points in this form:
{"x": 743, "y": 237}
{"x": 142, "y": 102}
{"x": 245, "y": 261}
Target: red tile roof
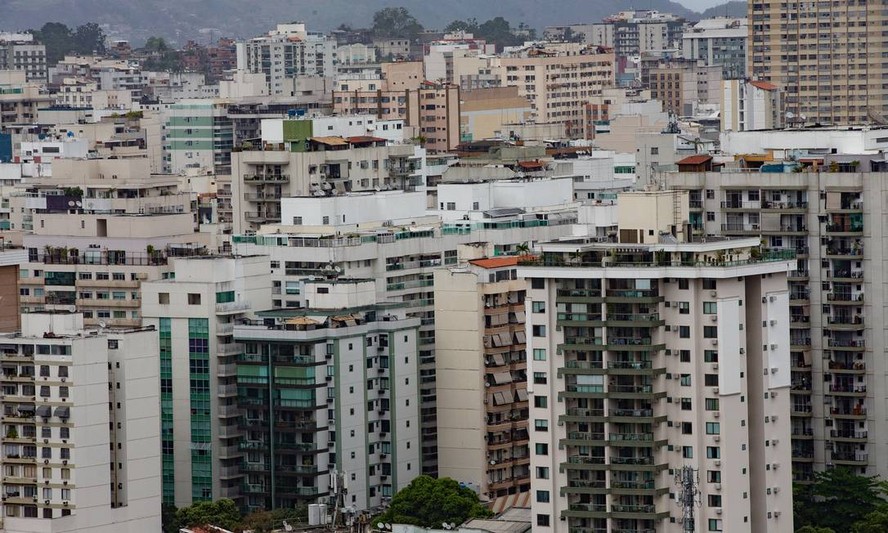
{"x": 365, "y": 139}
{"x": 695, "y": 160}
{"x": 530, "y": 165}
{"x": 764, "y": 85}
{"x": 496, "y": 262}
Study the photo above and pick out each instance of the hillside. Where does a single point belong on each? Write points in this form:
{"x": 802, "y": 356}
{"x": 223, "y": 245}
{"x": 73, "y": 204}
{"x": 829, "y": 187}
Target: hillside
{"x": 736, "y": 8}
{"x": 180, "y": 20}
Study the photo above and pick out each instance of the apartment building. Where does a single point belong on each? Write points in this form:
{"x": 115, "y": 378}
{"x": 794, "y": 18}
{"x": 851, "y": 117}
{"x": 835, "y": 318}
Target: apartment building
{"x": 286, "y": 54}
{"x": 654, "y": 354}
{"x": 718, "y": 41}
{"x": 558, "y": 79}
{"x": 12, "y": 257}
{"x": 682, "y": 85}
{"x": 198, "y": 134}
{"x": 831, "y": 220}
{"x": 194, "y": 314}
{"x": 332, "y": 387}
{"x": 95, "y": 232}
{"x": 751, "y": 105}
{"x": 322, "y": 164}
{"x": 19, "y": 99}
{"x": 19, "y": 51}
{"x": 481, "y": 377}
{"x": 400, "y": 250}
{"x": 485, "y": 113}
{"x": 81, "y": 446}
{"x": 835, "y": 84}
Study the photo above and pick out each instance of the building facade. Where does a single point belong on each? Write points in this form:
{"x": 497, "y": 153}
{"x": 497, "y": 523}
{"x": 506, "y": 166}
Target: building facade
{"x": 835, "y": 84}
{"x": 330, "y": 388}
{"x": 652, "y": 355}
{"x": 81, "y": 446}
{"x": 481, "y": 372}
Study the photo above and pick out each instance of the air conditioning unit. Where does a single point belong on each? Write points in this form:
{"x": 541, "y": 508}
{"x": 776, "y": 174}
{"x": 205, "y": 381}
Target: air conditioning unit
{"x": 775, "y": 441}
{"x": 775, "y": 466}
{"x": 718, "y": 511}
{"x": 774, "y": 418}
{"x": 742, "y": 351}
{"x": 46, "y": 461}
{"x": 772, "y": 298}
{"x": 718, "y": 486}
{"x": 716, "y": 414}
{"x": 773, "y": 369}
{"x": 715, "y": 366}
{"x": 776, "y": 490}
{"x": 764, "y": 323}
{"x": 46, "y": 502}
{"x": 773, "y": 322}
{"x": 714, "y": 318}
{"x": 764, "y": 299}
{"x": 715, "y": 390}
{"x": 65, "y": 462}
{"x": 718, "y": 463}
{"x": 715, "y": 342}
{"x": 716, "y": 438}
{"x": 776, "y": 513}
{"x": 773, "y": 346}
{"x": 713, "y": 294}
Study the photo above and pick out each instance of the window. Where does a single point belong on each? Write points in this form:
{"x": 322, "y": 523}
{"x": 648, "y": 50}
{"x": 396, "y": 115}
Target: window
{"x": 715, "y": 500}
{"x": 711, "y": 404}
{"x": 655, "y": 150}
{"x": 540, "y": 401}
{"x": 541, "y": 448}
{"x": 713, "y": 428}
{"x": 539, "y": 378}
{"x": 684, "y": 308}
{"x": 684, "y": 332}
{"x": 542, "y": 472}
{"x": 710, "y": 216}
{"x": 687, "y": 428}
{"x": 163, "y": 298}
{"x": 683, "y": 284}
{"x": 685, "y": 380}
{"x": 686, "y": 404}
{"x": 543, "y": 520}
{"x": 685, "y": 356}
{"x": 687, "y": 452}
{"x": 193, "y": 298}
{"x": 713, "y": 452}
{"x": 710, "y": 308}
{"x": 539, "y": 354}
{"x": 709, "y": 284}
{"x": 539, "y": 331}
{"x": 538, "y": 307}
{"x": 710, "y": 380}
{"x": 710, "y": 356}
{"x": 537, "y": 283}
{"x": 710, "y": 194}
{"x": 714, "y": 476}
{"x": 715, "y": 524}
{"x": 297, "y": 221}
{"x": 541, "y": 424}
{"x": 710, "y": 332}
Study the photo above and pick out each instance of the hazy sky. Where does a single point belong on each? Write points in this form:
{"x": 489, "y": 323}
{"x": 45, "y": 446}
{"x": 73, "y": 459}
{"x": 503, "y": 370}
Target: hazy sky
{"x": 699, "y": 5}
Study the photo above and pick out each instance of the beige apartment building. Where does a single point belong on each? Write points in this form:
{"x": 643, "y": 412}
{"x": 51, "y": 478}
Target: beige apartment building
{"x": 485, "y": 113}
{"x": 11, "y": 259}
{"x": 825, "y": 56}
{"x": 20, "y": 99}
{"x": 481, "y": 369}
{"x": 833, "y": 222}
{"x": 651, "y": 355}
{"x": 558, "y": 79}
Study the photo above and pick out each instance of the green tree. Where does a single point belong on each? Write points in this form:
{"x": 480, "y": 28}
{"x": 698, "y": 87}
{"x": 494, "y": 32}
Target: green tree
{"x": 168, "y": 519}
{"x": 268, "y": 521}
{"x": 395, "y": 22}
{"x": 875, "y": 522}
{"x": 89, "y": 39}
{"x": 812, "y": 529}
{"x": 837, "y": 499}
{"x": 222, "y": 513}
{"x": 468, "y": 26}
{"x": 429, "y": 502}
{"x": 57, "y": 39}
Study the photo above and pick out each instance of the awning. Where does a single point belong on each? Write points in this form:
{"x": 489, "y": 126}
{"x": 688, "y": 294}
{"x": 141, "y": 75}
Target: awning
{"x": 44, "y": 411}
{"x": 26, "y": 408}
{"x": 330, "y": 141}
{"x": 499, "y": 399}
{"x": 498, "y": 359}
{"x": 522, "y": 395}
{"x": 63, "y": 412}
{"x": 520, "y": 316}
{"x": 505, "y": 339}
{"x": 520, "y": 337}
{"x": 501, "y": 378}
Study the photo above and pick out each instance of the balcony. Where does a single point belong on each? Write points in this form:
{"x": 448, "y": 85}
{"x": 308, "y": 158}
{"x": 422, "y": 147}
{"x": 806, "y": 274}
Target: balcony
{"x": 848, "y": 412}
{"x": 851, "y": 345}
{"x": 844, "y": 389}
{"x": 850, "y": 435}
{"x": 845, "y": 322}
{"x": 844, "y": 253}
{"x": 785, "y": 206}
{"x": 739, "y": 205}
{"x": 741, "y": 228}
{"x": 266, "y": 178}
{"x": 845, "y": 275}
{"x": 850, "y": 458}
{"x": 801, "y": 410}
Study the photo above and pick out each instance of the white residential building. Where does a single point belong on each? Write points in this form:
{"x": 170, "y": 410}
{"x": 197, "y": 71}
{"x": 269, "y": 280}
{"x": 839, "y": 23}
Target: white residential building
{"x": 654, "y": 354}
{"x": 81, "y": 427}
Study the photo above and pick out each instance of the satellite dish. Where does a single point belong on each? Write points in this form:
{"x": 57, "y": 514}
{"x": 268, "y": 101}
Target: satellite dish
{"x": 388, "y": 526}
{"x": 71, "y": 203}
{"x": 102, "y": 324}
{"x": 380, "y": 526}
{"x": 79, "y": 204}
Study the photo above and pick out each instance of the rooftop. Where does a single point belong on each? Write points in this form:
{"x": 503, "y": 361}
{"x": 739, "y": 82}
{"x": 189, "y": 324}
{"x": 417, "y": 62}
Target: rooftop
{"x": 495, "y": 262}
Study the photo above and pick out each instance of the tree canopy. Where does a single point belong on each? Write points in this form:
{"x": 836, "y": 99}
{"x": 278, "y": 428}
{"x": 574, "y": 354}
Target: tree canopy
{"x": 429, "y": 502}
{"x": 395, "y": 23}
{"x": 841, "y": 501}
{"x": 222, "y": 513}
{"x": 61, "y": 40}
{"x": 497, "y": 31}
